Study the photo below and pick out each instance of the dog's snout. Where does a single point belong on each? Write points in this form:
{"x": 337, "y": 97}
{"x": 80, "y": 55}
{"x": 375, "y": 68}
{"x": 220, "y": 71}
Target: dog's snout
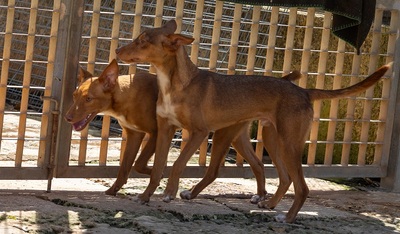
{"x": 117, "y": 50}
{"x": 68, "y": 117}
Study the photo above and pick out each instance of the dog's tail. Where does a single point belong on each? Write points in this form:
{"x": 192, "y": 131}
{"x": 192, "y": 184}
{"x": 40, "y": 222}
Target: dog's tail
{"x": 294, "y": 75}
{"x": 318, "y": 94}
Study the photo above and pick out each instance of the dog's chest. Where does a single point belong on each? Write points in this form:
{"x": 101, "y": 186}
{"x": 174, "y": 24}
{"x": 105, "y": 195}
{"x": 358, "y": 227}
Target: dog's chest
{"x": 124, "y": 122}
{"x": 165, "y": 106}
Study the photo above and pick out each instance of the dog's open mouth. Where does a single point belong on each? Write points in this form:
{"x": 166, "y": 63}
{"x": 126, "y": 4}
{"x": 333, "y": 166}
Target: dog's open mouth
{"x": 78, "y": 126}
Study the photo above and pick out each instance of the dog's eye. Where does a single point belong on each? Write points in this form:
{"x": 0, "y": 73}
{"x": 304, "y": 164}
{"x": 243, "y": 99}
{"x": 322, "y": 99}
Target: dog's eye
{"x": 89, "y": 99}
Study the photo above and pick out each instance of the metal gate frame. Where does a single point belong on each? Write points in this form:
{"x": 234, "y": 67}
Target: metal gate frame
{"x": 58, "y": 138}
{"x": 70, "y": 26}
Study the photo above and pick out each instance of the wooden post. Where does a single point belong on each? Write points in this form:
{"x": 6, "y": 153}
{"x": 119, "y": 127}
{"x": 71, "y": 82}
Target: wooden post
{"x": 392, "y": 164}
{"x": 65, "y": 74}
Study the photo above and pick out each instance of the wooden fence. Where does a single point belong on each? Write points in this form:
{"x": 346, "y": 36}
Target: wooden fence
{"x": 44, "y": 41}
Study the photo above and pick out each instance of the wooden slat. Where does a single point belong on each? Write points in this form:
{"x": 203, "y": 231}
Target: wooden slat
{"x": 30, "y": 45}
{"x": 180, "y": 5}
{"x": 216, "y": 33}
{"x": 269, "y": 63}
{"x": 351, "y": 104}
{"x": 194, "y": 171}
{"x": 306, "y": 53}
{"x": 83, "y": 143}
{"x": 23, "y": 173}
{"x": 194, "y": 54}
{"x": 272, "y": 35}
{"x": 113, "y": 47}
{"x": 45, "y": 134}
{"x": 333, "y": 112}
{"x": 291, "y": 29}
{"x": 237, "y": 14}
{"x": 136, "y": 28}
{"x": 157, "y": 23}
{"x": 94, "y": 29}
{"x": 373, "y": 61}
{"x": 233, "y": 48}
{"x": 251, "y": 58}
{"x": 251, "y": 54}
{"x": 159, "y": 13}
{"x": 5, "y": 65}
{"x": 105, "y": 130}
{"x": 323, "y": 58}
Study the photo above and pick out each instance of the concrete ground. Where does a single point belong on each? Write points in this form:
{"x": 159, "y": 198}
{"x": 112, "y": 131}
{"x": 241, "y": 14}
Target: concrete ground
{"x": 80, "y": 206}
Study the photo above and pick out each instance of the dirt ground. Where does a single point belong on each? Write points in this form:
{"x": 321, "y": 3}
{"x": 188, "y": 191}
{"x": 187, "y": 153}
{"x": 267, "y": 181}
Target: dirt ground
{"x": 80, "y": 206}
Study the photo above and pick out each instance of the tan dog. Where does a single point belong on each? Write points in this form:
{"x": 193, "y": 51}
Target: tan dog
{"x": 202, "y": 101}
{"x": 132, "y": 101}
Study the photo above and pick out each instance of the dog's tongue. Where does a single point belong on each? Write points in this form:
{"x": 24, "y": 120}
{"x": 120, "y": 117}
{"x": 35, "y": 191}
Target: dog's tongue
{"x": 79, "y": 125}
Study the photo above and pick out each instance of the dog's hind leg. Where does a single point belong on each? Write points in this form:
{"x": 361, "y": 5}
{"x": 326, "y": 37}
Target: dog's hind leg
{"x": 300, "y": 187}
{"x": 195, "y": 139}
{"x": 221, "y": 141}
{"x": 270, "y": 140}
{"x": 133, "y": 141}
{"x": 164, "y": 138}
{"x": 243, "y": 146}
{"x": 290, "y": 145}
{"x": 293, "y": 160}
{"x": 143, "y": 159}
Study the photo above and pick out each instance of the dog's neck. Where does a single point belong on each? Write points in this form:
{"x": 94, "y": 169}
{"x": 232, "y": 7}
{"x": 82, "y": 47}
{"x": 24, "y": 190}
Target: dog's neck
{"x": 176, "y": 71}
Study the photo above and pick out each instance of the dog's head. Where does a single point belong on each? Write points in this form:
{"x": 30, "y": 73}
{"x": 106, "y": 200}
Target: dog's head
{"x": 153, "y": 45}
{"x": 93, "y": 95}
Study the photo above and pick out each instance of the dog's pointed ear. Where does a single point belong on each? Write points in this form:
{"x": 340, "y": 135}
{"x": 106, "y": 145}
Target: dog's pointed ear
{"x": 170, "y": 26}
{"x": 109, "y": 76}
{"x": 83, "y": 75}
{"x": 177, "y": 40}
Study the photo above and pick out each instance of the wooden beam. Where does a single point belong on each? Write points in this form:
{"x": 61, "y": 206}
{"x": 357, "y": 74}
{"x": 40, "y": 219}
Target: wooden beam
{"x": 65, "y": 73}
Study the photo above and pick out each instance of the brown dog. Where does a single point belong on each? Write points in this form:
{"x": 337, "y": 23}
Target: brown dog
{"x": 132, "y": 101}
{"x": 202, "y": 101}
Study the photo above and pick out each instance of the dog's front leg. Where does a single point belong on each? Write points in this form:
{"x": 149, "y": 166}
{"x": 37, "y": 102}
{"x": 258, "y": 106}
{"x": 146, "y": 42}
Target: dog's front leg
{"x": 221, "y": 141}
{"x": 164, "y": 138}
{"x": 195, "y": 139}
{"x": 133, "y": 141}
{"x": 144, "y": 157}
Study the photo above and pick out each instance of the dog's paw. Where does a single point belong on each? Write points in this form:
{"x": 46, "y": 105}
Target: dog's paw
{"x": 141, "y": 199}
{"x": 265, "y": 204}
{"x": 111, "y": 191}
{"x": 186, "y": 194}
{"x": 280, "y": 218}
{"x": 255, "y": 199}
{"x": 168, "y": 199}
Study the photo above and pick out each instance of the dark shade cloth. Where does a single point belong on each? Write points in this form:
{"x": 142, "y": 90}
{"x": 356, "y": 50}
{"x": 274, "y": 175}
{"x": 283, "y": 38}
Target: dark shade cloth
{"x": 351, "y": 21}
